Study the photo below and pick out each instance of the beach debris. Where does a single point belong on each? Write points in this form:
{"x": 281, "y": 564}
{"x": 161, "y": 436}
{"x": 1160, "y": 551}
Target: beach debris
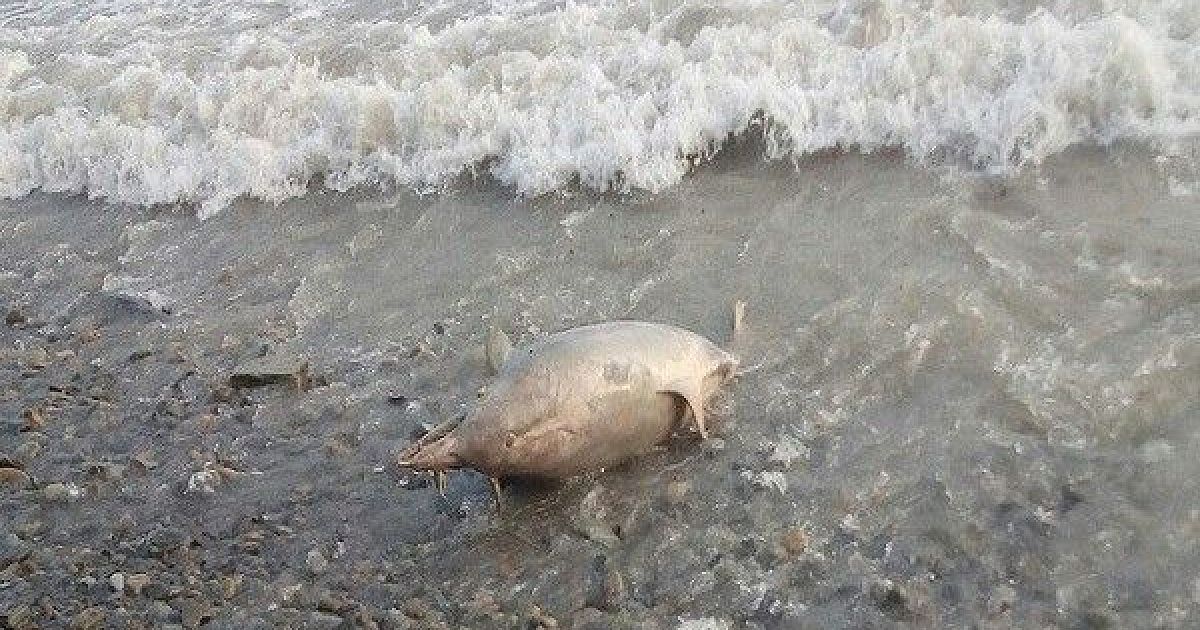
{"x": 739, "y": 316}
{"x": 275, "y": 369}
{"x": 582, "y": 400}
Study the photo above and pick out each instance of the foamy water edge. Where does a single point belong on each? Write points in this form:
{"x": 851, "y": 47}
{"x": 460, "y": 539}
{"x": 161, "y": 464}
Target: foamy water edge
{"x": 610, "y": 98}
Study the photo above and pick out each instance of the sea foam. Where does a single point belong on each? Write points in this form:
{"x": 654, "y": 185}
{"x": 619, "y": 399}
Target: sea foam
{"x": 205, "y": 101}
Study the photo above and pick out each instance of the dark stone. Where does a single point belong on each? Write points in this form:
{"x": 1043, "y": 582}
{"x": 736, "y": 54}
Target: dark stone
{"x": 12, "y": 550}
{"x": 334, "y": 602}
{"x": 272, "y": 370}
{"x": 325, "y": 620}
{"x": 13, "y": 478}
{"x": 771, "y": 609}
{"x": 417, "y": 608}
{"x": 158, "y": 591}
{"x": 106, "y": 471}
{"x": 15, "y": 318}
{"x": 606, "y": 587}
{"x": 162, "y": 612}
{"x": 193, "y": 611}
{"x": 138, "y": 355}
{"x": 892, "y": 600}
{"x": 163, "y": 540}
{"x": 21, "y": 617}
{"x": 1097, "y": 620}
{"x": 1069, "y": 499}
{"x": 592, "y": 619}
{"x": 89, "y": 619}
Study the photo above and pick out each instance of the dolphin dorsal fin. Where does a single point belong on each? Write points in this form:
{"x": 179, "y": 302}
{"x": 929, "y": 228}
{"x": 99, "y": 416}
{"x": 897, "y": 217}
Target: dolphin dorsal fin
{"x": 497, "y": 349}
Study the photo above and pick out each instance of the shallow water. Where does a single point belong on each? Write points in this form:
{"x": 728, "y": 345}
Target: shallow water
{"x": 975, "y": 397}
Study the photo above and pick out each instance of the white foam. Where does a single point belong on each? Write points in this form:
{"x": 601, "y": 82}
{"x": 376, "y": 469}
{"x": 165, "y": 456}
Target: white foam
{"x": 209, "y": 100}
{"x": 704, "y": 623}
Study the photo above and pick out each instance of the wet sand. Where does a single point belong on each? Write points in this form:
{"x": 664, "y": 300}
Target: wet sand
{"x": 972, "y": 403}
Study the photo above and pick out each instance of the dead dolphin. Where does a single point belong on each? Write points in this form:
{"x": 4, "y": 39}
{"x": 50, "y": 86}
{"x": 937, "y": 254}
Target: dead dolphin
{"x": 580, "y": 400}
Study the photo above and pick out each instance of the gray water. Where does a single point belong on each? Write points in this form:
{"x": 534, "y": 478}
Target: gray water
{"x": 970, "y": 402}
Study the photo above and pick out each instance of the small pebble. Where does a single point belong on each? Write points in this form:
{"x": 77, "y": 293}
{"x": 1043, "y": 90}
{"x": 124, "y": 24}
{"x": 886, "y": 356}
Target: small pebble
{"x": 193, "y": 611}
{"x": 316, "y": 562}
{"x": 37, "y": 358}
{"x": 230, "y": 585}
{"x": 145, "y": 460}
{"x": 1001, "y": 601}
{"x": 21, "y": 617}
{"x": 13, "y": 478}
{"x": 15, "y": 318}
{"x": 104, "y": 470}
{"x": 35, "y": 420}
{"x": 676, "y": 491}
{"x": 795, "y": 541}
{"x": 28, "y": 450}
{"x": 161, "y": 611}
{"x": 539, "y": 619}
{"x": 606, "y": 589}
{"x": 89, "y": 619}
{"x": 320, "y": 620}
{"x": 417, "y": 608}
{"x": 135, "y": 582}
{"x": 61, "y": 492}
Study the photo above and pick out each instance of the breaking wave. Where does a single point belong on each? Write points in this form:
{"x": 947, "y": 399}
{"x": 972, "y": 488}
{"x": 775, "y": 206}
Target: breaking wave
{"x": 147, "y": 102}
